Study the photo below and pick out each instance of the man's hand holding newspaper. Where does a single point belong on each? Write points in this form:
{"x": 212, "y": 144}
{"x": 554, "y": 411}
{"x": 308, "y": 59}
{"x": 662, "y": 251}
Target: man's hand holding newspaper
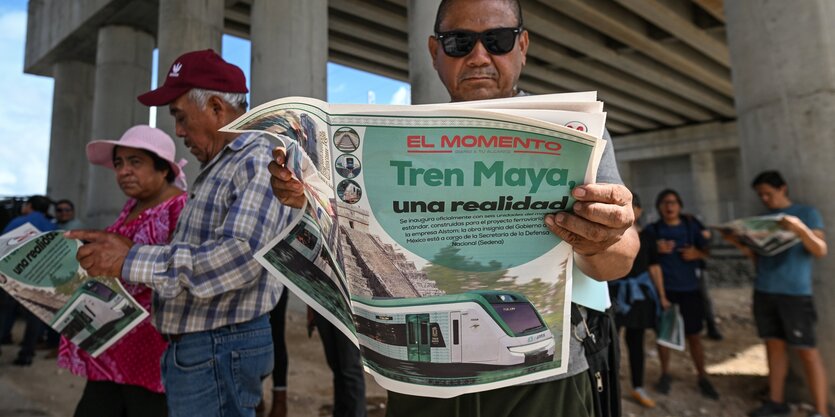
{"x": 288, "y": 190}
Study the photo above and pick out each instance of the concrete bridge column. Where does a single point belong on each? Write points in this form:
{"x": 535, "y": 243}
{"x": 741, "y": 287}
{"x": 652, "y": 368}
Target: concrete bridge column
{"x": 72, "y": 115}
{"x": 782, "y": 56}
{"x": 425, "y": 84}
{"x": 123, "y": 71}
{"x": 185, "y": 26}
{"x": 706, "y": 189}
{"x": 289, "y": 49}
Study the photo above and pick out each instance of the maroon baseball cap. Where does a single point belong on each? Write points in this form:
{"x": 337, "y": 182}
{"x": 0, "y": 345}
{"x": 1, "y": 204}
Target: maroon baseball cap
{"x": 199, "y": 69}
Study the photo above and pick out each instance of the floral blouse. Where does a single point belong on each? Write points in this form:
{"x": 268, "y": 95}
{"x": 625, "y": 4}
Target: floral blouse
{"x": 135, "y": 359}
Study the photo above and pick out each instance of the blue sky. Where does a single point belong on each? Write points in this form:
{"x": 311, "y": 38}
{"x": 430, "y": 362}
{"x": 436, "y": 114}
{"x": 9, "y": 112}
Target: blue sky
{"x": 25, "y": 114}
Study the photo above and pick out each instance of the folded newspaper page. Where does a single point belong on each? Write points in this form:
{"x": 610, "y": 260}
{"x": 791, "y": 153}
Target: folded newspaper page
{"x": 763, "y": 234}
{"x": 40, "y": 271}
{"x": 671, "y": 329}
{"x": 423, "y": 237}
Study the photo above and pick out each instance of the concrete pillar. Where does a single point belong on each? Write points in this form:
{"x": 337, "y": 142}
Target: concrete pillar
{"x": 185, "y": 26}
{"x": 289, "y": 49}
{"x": 426, "y": 86}
{"x": 123, "y": 71}
{"x": 706, "y": 189}
{"x": 72, "y": 115}
{"x": 782, "y": 56}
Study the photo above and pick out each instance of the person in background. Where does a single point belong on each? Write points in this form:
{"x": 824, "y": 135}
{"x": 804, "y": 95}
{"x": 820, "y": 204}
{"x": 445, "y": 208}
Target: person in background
{"x": 681, "y": 248}
{"x": 783, "y": 306}
{"x": 211, "y": 297}
{"x": 125, "y": 378}
{"x": 65, "y": 215}
{"x": 637, "y": 299}
{"x": 35, "y": 212}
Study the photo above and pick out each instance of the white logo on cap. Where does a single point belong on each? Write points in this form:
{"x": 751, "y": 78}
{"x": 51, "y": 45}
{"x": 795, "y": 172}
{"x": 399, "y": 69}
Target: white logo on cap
{"x": 175, "y": 70}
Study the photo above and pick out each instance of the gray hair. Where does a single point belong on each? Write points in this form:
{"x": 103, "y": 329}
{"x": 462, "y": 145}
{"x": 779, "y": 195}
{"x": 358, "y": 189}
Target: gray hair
{"x": 200, "y": 97}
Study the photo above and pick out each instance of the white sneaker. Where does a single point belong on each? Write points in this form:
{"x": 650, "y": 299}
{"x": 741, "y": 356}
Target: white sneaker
{"x": 641, "y": 396}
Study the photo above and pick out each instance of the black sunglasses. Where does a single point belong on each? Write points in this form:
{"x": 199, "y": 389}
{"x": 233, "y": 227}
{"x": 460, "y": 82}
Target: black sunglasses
{"x": 498, "y": 41}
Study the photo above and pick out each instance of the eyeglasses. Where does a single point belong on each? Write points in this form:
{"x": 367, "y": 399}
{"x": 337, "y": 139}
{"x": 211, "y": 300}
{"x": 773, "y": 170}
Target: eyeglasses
{"x": 62, "y": 209}
{"x": 498, "y": 41}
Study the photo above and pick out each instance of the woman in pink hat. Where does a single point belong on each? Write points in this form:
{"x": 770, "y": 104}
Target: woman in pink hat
{"x": 125, "y": 379}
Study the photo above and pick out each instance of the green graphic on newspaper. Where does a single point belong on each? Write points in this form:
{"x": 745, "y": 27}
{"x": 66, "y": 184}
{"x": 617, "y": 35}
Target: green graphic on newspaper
{"x": 467, "y": 187}
{"x": 422, "y": 237}
{"x": 40, "y": 271}
{"x": 23, "y": 265}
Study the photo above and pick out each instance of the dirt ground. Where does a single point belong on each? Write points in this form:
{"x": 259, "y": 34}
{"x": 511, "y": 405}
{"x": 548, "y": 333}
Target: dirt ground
{"x": 47, "y": 390}
{"x": 736, "y": 365}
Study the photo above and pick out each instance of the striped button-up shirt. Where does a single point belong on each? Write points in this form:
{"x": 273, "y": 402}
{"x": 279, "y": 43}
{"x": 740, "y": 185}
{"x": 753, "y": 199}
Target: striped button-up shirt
{"x": 207, "y": 277}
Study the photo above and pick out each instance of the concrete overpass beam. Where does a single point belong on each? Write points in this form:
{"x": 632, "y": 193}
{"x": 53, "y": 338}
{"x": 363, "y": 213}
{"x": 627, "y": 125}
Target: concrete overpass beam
{"x": 546, "y": 22}
{"x": 616, "y": 23}
{"x": 426, "y": 86}
{"x": 680, "y": 25}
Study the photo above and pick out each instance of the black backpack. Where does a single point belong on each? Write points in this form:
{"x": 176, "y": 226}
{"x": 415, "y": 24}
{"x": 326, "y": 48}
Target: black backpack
{"x": 603, "y": 355}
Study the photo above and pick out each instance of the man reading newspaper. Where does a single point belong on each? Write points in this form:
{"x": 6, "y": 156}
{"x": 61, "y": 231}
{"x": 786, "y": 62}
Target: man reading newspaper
{"x": 783, "y": 308}
{"x": 479, "y": 50}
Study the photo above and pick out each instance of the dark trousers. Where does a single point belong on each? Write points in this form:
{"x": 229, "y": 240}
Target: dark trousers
{"x": 567, "y": 397}
{"x": 277, "y": 320}
{"x": 53, "y": 338}
{"x": 345, "y": 362}
{"x": 8, "y": 315}
{"x": 635, "y": 346}
{"x": 34, "y": 329}
{"x": 34, "y": 326}
{"x": 109, "y": 399}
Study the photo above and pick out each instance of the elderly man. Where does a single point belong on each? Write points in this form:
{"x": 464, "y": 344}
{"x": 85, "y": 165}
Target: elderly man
{"x": 211, "y": 298}
{"x": 479, "y": 50}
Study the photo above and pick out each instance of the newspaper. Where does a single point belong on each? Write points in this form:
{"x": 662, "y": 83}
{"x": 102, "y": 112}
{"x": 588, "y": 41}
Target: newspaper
{"x": 763, "y": 234}
{"x": 671, "y": 329}
{"x": 423, "y": 238}
{"x": 40, "y": 271}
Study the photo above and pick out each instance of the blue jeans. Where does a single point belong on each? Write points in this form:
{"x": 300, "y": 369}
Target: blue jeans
{"x": 218, "y": 372}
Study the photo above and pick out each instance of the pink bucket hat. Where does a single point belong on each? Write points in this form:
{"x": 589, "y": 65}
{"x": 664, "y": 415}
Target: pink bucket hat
{"x": 100, "y": 152}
